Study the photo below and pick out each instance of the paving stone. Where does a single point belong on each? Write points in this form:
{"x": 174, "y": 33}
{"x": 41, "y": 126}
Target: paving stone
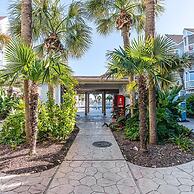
{"x": 147, "y": 185}
{"x": 171, "y": 180}
{"x": 62, "y": 189}
{"x": 105, "y": 182}
{"x": 97, "y": 188}
{"x": 88, "y": 180}
{"x": 74, "y": 182}
{"x": 91, "y": 171}
{"x": 111, "y": 189}
{"x": 184, "y": 188}
{"x": 111, "y": 176}
{"x": 98, "y": 175}
{"x": 82, "y": 189}
{"x": 168, "y": 189}
{"x": 186, "y": 181}
{"x": 75, "y": 175}
{"x": 123, "y": 189}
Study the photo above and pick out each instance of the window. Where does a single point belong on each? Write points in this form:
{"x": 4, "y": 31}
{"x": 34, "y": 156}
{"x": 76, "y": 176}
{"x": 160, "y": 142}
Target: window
{"x": 187, "y": 77}
{"x": 191, "y": 75}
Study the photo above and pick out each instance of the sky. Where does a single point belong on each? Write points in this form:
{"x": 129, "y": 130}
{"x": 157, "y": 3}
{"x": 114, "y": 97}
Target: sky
{"x": 178, "y": 15}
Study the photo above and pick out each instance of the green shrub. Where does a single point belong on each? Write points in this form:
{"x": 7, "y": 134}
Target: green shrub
{"x": 13, "y": 127}
{"x": 190, "y": 106}
{"x": 183, "y": 142}
{"x": 132, "y": 128}
{"x": 54, "y": 122}
{"x": 168, "y": 114}
{"x": 7, "y": 103}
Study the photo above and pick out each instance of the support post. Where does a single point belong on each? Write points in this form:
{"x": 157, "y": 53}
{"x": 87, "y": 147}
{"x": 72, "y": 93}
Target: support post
{"x": 86, "y": 103}
{"x": 104, "y": 103}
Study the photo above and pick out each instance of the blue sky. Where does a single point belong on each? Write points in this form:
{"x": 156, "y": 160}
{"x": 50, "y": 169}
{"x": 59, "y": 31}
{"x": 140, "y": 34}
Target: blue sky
{"x": 179, "y": 14}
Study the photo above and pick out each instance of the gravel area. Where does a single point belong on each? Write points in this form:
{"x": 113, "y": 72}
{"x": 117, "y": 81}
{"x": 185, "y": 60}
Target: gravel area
{"x": 49, "y": 155}
{"x": 157, "y": 156}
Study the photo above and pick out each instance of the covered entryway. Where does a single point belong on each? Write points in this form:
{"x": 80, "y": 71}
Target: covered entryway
{"x": 98, "y": 87}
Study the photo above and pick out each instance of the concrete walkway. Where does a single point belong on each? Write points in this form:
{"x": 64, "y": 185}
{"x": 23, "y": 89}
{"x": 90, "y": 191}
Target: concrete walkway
{"x": 91, "y": 170}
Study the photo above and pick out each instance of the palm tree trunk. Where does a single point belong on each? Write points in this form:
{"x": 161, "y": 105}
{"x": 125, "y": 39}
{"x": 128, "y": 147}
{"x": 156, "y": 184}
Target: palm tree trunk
{"x": 51, "y": 91}
{"x": 150, "y": 32}
{"x": 152, "y": 112}
{"x": 181, "y": 74}
{"x": 34, "y": 116}
{"x": 142, "y": 113}
{"x": 126, "y": 41}
{"x": 150, "y": 18}
{"x": 27, "y": 110}
{"x": 26, "y": 34}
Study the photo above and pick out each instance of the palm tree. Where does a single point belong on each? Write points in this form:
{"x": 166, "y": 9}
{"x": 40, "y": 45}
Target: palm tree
{"x": 26, "y": 34}
{"x": 22, "y": 63}
{"x": 122, "y": 15}
{"x": 68, "y": 35}
{"x": 62, "y": 31}
{"x": 150, "y": 32}
{"x": 150, "y": 58}
{"x": 123, "y": 62}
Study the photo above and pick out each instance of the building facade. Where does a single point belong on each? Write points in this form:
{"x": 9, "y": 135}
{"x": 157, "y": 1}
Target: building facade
{"x": 185, "y": 45}
{"x": 4, "y": 27}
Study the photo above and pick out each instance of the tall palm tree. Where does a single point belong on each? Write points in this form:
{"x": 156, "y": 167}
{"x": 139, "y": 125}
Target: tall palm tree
{"x": 122, "y": 62}
{"x": 151, "y": 58}
{"x": 122, "y": 15}
{"x": 67, "y": 35}
{"x": 22, "y": 63}
{"x": 26, "y": 34}
{"x": 60, "y": 31}
{"x": 150, "y": 32}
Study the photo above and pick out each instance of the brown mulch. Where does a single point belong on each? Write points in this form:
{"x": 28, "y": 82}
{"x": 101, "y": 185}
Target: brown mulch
{"x": 49, "y": 155}
{"x": 157, "y": 156}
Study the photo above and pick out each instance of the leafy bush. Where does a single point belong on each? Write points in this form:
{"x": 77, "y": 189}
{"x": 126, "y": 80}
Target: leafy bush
{"x": 7, "y": 103}
{"x": 183, "y": 142}
{"x": 190, "y": 106}
{"x": 54, "y": 122}
{"x": 132, "y": 128}
{"x": 168, "y": 113}
{"x": 13, "y": 127}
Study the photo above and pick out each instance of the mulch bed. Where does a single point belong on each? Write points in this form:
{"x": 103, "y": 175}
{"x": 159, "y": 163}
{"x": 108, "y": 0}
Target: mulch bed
{"x": 49, "y": 155}
{"x": 157, "y": 155}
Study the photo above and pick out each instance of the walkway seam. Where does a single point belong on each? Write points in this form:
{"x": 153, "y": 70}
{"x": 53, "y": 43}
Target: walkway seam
{"x": 96, "y": 160}
{"x": 184, "y": 171}
{"x": 47, "y": 187}
{"x": 135, "y": 180}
